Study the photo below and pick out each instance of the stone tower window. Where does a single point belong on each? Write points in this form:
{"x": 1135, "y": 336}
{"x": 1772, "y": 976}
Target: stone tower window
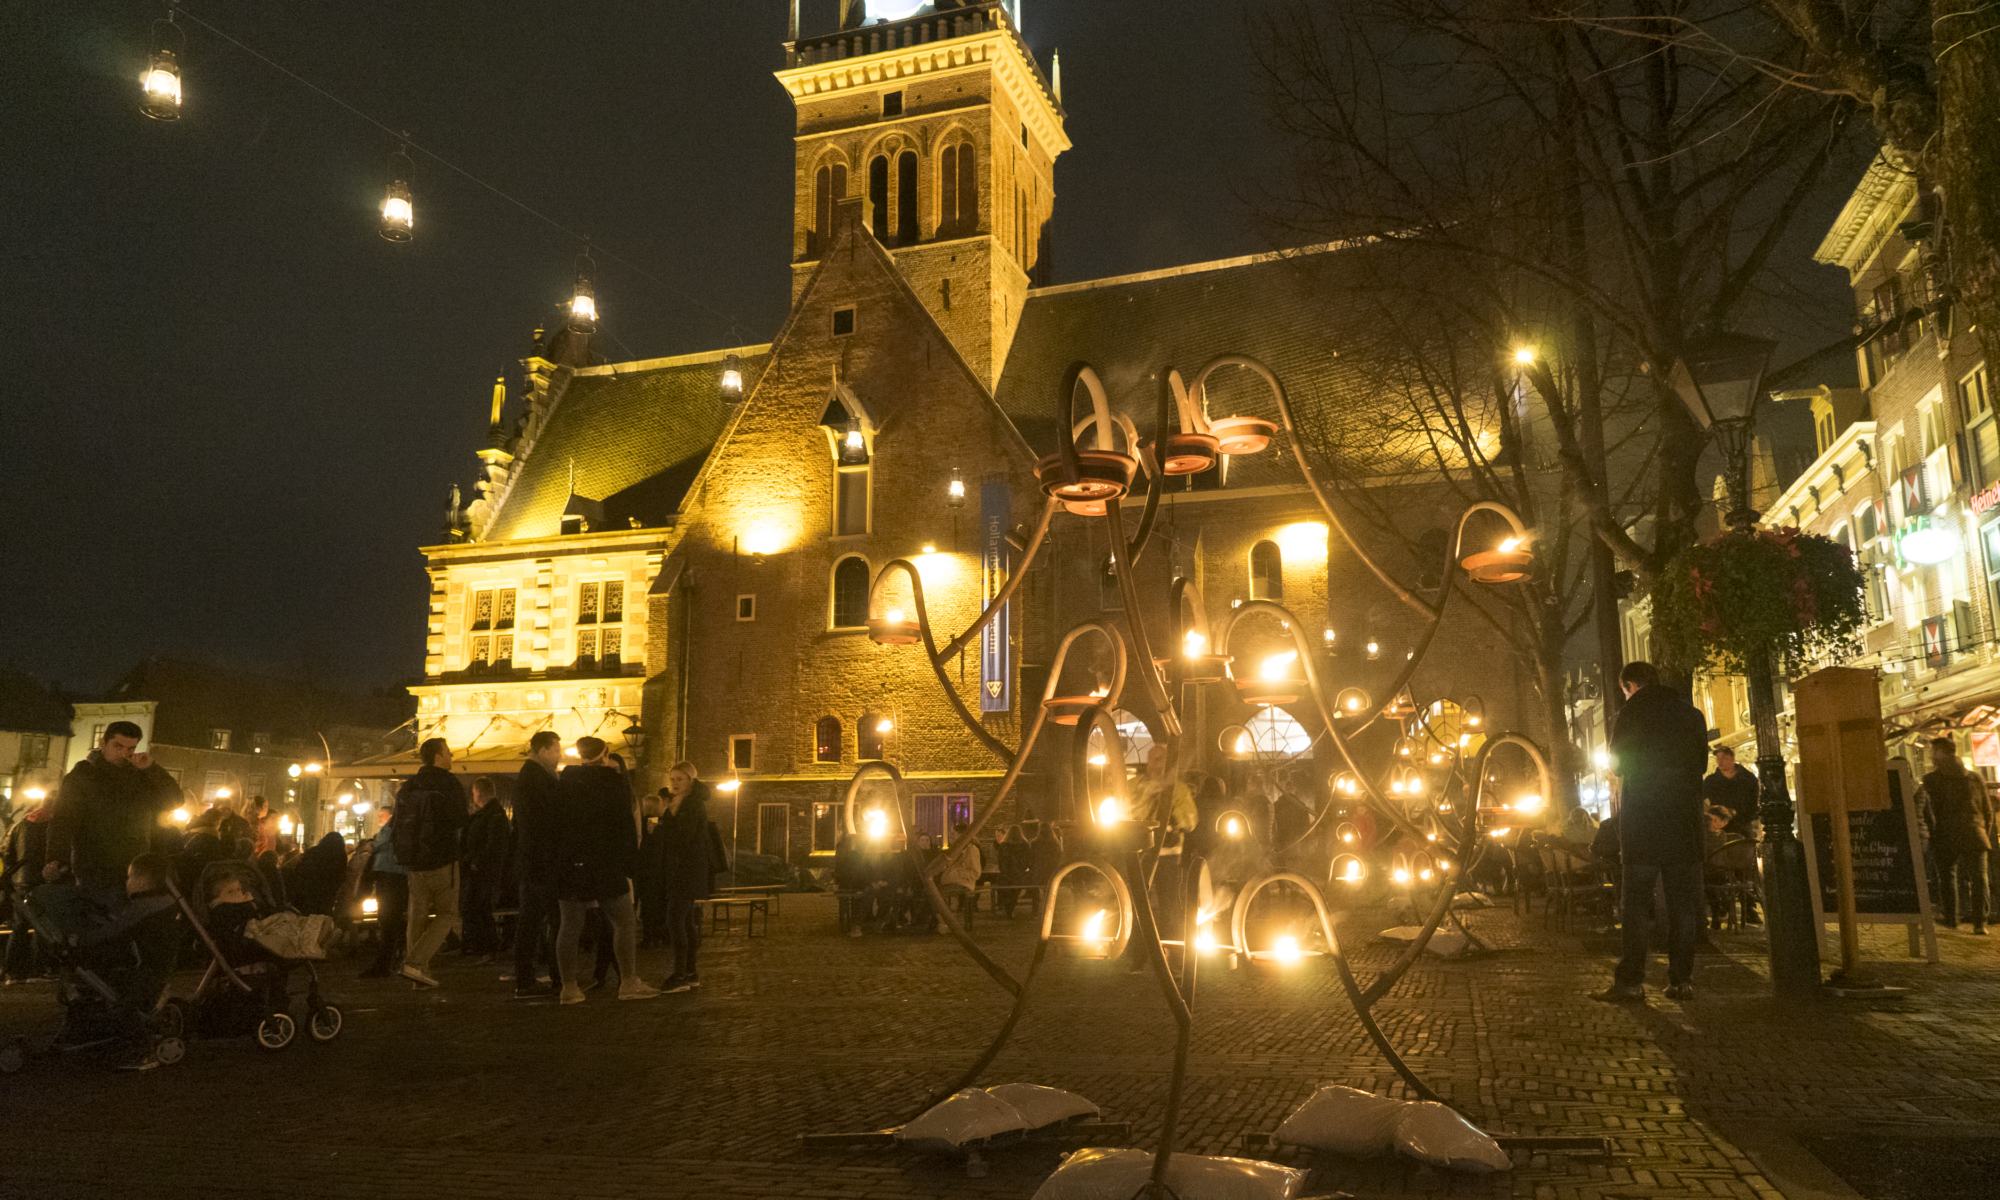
{"x": 892, "y": 104}
{"x": 850, "y": 593}
{"x": 829, "y": 184}
{"x": 1267, "y": 572}
{"x": 958, "y": 191}
{"x": 906, "y": 198}
{"x": 827, "y": 740}
{"x": 878, "y": 195}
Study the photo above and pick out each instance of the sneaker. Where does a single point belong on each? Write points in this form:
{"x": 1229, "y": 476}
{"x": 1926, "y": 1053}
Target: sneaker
{"x": 1979, "y": 931}
{"x": 685, "y": 983}
{"x": 418, "y": 977}
{"x": 638, "y": 989}
{"x": 1680, "y": 991}
{"x": 1619, "y": 994}
{"x": 572, "y": 994}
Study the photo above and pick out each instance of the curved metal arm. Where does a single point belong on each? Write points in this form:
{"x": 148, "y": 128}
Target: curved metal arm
{"x": 1014, "y": 576}
{"x": 908, "y": 568}
{"x": 1080, "y": 372}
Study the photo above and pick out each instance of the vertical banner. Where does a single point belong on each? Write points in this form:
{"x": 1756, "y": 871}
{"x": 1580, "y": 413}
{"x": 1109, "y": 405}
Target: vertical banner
{"x": 996, "y": 675}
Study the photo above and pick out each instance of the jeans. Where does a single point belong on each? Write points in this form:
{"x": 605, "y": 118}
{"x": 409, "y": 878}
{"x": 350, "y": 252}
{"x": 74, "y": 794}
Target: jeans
{"x": 534, "y": 930}
{"x": 436, "y": 889}
{"x": 684, "y": 931}
{"x": 1969, "y": 867}
{"x": 624, "y": 932}
{"x": 1682, "y": 882}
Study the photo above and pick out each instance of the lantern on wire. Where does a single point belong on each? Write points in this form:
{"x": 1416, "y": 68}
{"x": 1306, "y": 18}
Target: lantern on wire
{"x": 398, "y": 213}
{"x": 160, "y": 86}
{"x": 732, "y": 379}
{"x": 954, "y": 496}
{"x": 583, "y": 301}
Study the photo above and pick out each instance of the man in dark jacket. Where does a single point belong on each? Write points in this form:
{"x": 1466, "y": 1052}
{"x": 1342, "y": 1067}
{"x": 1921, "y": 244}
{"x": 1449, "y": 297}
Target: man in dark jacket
{"x": 1959, "y": 816}
{"x": 112, "y": 808}
{"x": 1734, "y": 788}
{"x": 1658, "y": 749}
{"x": 482, "y": 861}
{"x": 536, "y": 819}
{"x": 687, "y": 870}
{"x": 597, "y": 849}
{"x": 430, "y": 815}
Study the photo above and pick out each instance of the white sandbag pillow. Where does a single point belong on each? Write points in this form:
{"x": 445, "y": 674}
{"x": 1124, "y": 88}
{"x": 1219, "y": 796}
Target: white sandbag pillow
{"x": 1102, "y": 1174}
{"x": 1432, "y": 1133}
{"x": 959, "y": 1120}
{"x": 1041, "y": 1106}
{"x": 1344, "y": 1120}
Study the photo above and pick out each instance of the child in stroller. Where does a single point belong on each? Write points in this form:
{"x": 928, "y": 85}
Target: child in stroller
{"x": 246, "y": 990}
{"x": 114, "y": 965}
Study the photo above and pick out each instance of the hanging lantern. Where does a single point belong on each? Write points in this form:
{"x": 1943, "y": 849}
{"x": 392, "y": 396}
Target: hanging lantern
{"x": 893, "y": 629}
{"x": 1242, "y": 435}
{"x": 1279, "y": 680}
{"x": 398, "y": 213}
{"x": 160, "y": 86}
{"x": 1348, "y": 868}
{"x": 1506, "y": 564}
{"x": 583, "y": 301}
{"x": 1351, "y": 702}
{"x": 954, "y": 495}
{"x": 732, "y": 379}
{"x": 1187, "y": 453}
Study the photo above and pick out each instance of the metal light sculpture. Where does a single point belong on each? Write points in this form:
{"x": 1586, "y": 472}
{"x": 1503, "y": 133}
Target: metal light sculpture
{"x": 1085, "y": 479}
{"x": 160, "y": 86}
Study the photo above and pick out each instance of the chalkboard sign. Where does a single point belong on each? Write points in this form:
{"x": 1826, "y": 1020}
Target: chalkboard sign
{"x": 1887, "y": 870}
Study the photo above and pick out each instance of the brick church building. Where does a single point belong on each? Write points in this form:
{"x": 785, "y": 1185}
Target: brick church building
{"x": 675, "y": 553}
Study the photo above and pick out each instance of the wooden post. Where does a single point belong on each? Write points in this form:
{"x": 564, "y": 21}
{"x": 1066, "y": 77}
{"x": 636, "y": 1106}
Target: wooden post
{"x": 1843, "y": 871}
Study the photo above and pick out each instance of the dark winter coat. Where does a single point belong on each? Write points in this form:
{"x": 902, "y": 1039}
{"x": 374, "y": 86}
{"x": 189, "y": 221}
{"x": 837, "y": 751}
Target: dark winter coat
{"x": 108, "y": 815}
{"x": 686, "y": 862}
{"x": 27, "y": 851}
{"x": 451, "y": 807}
{"x": 486, "y": 843}
{"x": 597, "y": 835}
{"x": 1659, "y": 748}
{"x": 537, "y": 819}
{"x": 1738, "y": 795}
{"x": 1957, "y": 811}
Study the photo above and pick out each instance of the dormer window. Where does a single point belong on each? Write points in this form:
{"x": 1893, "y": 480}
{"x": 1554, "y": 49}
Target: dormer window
{"x": 218, "y": 739}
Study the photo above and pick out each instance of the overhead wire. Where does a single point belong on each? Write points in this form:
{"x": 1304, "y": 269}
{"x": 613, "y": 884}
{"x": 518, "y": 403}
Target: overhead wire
{"x": 404, "y": 138}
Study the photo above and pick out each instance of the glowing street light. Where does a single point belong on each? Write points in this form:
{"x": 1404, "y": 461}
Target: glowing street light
{"x": 954, "y": 496}
{"x": 398, "y": 210}
{"x": 160, "y": 86}
{"x": 732, "y": 379}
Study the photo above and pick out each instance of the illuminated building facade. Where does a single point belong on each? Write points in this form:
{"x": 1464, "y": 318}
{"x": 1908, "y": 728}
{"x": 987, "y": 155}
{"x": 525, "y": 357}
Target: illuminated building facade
{"x": 652, "y": 557}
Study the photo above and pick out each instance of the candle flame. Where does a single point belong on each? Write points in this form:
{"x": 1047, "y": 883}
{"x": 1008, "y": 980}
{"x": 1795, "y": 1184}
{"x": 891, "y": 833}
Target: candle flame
{"x": 1275, "y": 666}
{"x": 1093, "y": 929}
{"x": 1109, "y": 811}
{"x": 1287, "y": 949}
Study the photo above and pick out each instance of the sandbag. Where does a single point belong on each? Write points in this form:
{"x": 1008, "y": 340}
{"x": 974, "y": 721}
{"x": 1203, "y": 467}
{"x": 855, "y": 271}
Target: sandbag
{"x": 1344, "y": 1120}
{"x": 1098, "y": 1173}
{"x": 1430, "y": 1132}
{"x": 959, "y": 1120}
{"x": 1042, "y": 1106}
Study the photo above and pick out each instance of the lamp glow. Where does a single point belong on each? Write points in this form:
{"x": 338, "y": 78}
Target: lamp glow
{"x": 180, "y": 816}
{"x": 1275, "y": 667}
{"x": 1525, "y": 355}
{"x": 222, "y": 793}
{"x": 1233, "y": 828}
{"x": 370, "y": 905}
{"x": 885, "y": 725}
{"x": 1195, "y": 643}
{"x": 1928, "y": 546}
{"x": 894, "y": 614}
{"x": 1601, "y": 760}
{"x": 1110, "y": 811}
{"x": 398, "y": 216}
{"x": 35, "y": 793}
{"x": 311, "y": 767}
{"x": 1287, "y": 949}
{"x": 1510, "y": 543}
{"x": 362, "y": 808}
{"x": 1244, "y": 745}
{"x": 875, "y": 822}
{"x": 1528, "y": 804}
{"x": 294, "y": 770}
{"x": 728, "y": 785}
{"x": 1097, "y": 760}
{"x": 1093, "y": 929}
{"x": 284, "y": 825}
{"x": 1204, "y": 940}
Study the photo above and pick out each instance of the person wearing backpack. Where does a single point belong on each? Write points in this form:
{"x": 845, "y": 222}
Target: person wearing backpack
{"x": 430, "y": 813}
{"x": 597, "y": 849}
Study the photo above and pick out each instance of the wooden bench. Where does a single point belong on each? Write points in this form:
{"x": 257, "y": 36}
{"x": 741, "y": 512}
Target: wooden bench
{"x": 722, "y": 909}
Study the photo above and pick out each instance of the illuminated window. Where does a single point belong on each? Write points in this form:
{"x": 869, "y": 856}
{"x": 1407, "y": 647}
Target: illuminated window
{"x": 218, "y": 739}
{"x": 482, "y": 653}
{"x": 505, "y": 617}
{"x": 827, "y": 740}
{"x": 503, "y": 652}
{"x": 586, "y": 604}
{"x": 482, "y": 609}
{"x": 586, "y": 647}
{"x": 611, "y": 643}
{"x": 1267, "y": 572}
{"x": 850, "y": 593}
{"x": 614, "y": 601}
{"x": 742, "y": 751}
{"x": 870, "y": 736}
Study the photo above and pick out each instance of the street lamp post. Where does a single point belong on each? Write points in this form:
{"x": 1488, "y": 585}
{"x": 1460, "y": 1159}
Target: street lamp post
{"x": 1720, "y": 380}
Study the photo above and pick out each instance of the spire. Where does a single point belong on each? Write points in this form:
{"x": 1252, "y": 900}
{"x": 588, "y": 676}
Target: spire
{"x": 1055, "y": 73}
{"x": 499, "y": 400}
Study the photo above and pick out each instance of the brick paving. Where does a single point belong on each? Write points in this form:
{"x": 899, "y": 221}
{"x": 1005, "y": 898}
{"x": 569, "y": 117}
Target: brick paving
{"x": 464, "y": 1092}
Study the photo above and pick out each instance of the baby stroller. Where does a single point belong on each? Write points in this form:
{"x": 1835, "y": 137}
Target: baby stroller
{"x": 113, "y": 969}
{"x": 247, "y": 990}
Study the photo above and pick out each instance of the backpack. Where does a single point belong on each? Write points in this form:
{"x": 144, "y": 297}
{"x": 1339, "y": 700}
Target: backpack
{"x": 423, "y": 835}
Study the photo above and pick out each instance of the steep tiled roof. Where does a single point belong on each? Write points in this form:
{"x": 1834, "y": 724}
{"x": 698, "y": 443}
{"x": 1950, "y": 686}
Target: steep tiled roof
{"x": 194, "y": 698}
{"x": 1286, "y": 311}
{"x": 28, "y": 707}
{"x": 637, "y": 434}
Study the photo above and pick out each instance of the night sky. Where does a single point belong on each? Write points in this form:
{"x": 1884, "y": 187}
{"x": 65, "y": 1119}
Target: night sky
{"x": 233, "y": 411}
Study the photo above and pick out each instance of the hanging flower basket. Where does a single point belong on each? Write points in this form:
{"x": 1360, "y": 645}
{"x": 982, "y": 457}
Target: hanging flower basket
{"x": 1796, "y": 595}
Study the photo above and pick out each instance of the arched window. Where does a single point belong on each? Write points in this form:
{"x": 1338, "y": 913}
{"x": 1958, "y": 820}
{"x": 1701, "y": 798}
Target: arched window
{"x": 868, "y": 737}
{"x": 826, "y": 740}
{"x": 1267, "y": 572}
{"x": 958, "y": 191}
{"x": 850, "y": 593}
{"x": 906, "y": 198}
{"x": 829, "y": 184}
{"x": 878, "y": 195}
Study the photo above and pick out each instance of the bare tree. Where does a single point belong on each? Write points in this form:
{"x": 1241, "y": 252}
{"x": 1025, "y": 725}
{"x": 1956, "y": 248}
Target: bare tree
{"x": 1596, "y": 197}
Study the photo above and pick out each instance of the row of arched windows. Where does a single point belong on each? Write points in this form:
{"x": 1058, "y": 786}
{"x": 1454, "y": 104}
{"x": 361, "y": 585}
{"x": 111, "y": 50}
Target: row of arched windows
{"x": 957, "y": 196}
{"x": 829, "y": 741}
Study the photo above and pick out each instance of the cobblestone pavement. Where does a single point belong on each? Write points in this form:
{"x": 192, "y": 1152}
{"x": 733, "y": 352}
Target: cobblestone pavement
{"x": 465, "y": 1092}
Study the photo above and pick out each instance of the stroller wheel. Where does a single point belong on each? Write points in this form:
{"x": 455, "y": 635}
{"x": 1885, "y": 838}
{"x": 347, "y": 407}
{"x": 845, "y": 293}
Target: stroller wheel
{"x": 169, "y": 1050}
{"x": 324, "y": 1024}
{"x": 171, "y": 1021}
{"x": 276, "y": 1031}
{"x": 12, "y": 1056}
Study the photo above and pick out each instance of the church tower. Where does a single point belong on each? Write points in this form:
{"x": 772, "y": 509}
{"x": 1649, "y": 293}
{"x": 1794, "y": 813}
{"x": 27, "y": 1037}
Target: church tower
{"x": 942, "y": 123}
